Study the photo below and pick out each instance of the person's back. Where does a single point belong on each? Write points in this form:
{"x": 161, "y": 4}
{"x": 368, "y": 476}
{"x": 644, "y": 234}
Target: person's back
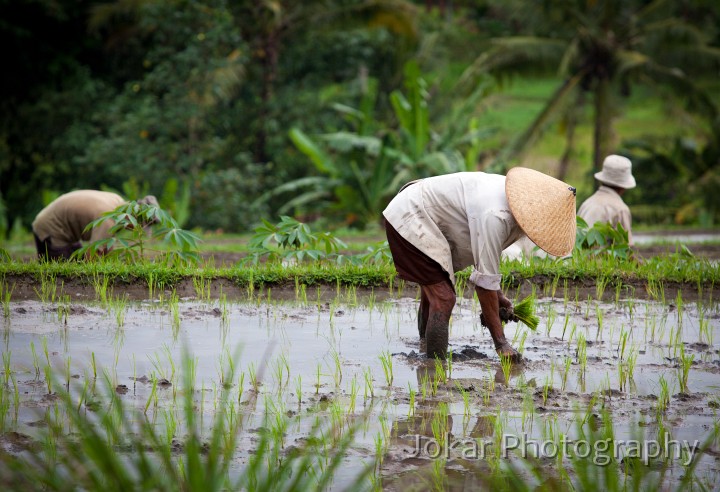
{"x": 64, "y": 220}
{"x": 606, "y": 204}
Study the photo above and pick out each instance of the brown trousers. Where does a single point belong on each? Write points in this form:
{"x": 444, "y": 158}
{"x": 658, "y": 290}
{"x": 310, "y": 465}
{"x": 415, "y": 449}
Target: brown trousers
{"x": 46, "y": 251}
{"x": 437, "y": 294}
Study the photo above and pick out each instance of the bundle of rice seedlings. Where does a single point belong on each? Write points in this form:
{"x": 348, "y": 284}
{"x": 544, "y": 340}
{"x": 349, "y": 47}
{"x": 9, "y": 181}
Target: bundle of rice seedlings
{"x": 525, "y": 312}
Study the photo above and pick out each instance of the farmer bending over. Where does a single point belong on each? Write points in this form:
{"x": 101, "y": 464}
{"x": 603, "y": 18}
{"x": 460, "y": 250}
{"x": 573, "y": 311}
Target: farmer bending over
{"x": 440, "y": 225}
{"x": 58, "y": 228}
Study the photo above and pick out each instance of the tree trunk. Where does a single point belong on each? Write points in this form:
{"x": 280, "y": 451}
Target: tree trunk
{"x": 270, "y": 50}
{"x": 602, "y": 122}
{"x": 572, "y": 122}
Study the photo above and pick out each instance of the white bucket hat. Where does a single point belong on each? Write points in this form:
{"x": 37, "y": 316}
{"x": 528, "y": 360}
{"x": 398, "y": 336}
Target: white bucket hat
{"x": 544, "y": 208}
{"x": 616, "y": 171}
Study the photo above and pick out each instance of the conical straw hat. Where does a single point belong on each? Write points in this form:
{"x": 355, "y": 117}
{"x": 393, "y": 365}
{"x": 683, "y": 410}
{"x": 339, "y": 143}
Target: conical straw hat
{"x": 544, "y": 207}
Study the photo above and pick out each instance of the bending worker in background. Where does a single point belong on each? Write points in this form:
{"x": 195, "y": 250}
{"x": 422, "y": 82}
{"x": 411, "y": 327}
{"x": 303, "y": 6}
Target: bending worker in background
{"x": 440, "y": 225}
{"x": 59, "y": 227}
{"x": 606, "y": 204}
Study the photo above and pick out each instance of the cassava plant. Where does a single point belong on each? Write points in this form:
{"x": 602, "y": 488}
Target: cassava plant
{"x": 136, "y": 229}
{"x": 602, "y": 239}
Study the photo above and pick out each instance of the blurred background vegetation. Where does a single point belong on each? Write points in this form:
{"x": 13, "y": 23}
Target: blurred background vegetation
{"x": 231, "y": 111}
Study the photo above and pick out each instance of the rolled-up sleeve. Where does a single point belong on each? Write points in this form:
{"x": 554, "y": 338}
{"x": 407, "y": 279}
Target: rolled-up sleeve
{"x": 489, "y": 232}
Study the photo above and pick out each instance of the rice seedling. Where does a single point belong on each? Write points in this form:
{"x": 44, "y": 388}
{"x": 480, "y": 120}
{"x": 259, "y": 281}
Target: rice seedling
{"x": 5, "y": 295}
{"x": 354, "y": 388}
{"x": 16, "y": 400}
{"x": 152, "y": 284}
{"x": 588, "y": 303}
{"x": 424, "y": 383}
{"x": 153, "y": 396}
{"x": 565, "y": 325}
{"x": 506, "y": 365}
{"x": 241, "y": 386}
{"x": 318, "y": 374}
{"x": 546, "y": 389}
{"x": 622, "y": 344}
{"x": 631, "y": 307}
{"x": 440, "y": 371}
{"x": 435, "y": 383}
{"x": 599, "y": 315}
{"x": 282, "y": 367}
{"x": 411, "y": 404}
{"x": 663, "y": 400}
{"x": 521, "y": 344}
{"x": 582, "y": 353}
{"x": 67, "y": 373}
{"x": 680, "y": 309}
{"x": 566, "y": 371}
{"x": 686, "y": 361}
{"x": 174, "y": 306}
{"x": 63, "y": 309}
{"x": 554, "y": 286}
{"x": 201, "y": 285}
{"x": 101, "y": 284}
{"x": 572, "y": 333}
{"x": 369, "y": 391}
{"x": 337, "y": 366}
{"x": 252, "y": 372}
{"x": 528, "y": 411}
{"x": 600, "y": 284}
{"x": 387, "y": 366}
{"x": 298, "y": 390}
{"x": 48, "y": 288}
{"x": 466, "y": 399}
{"x": 439, "y": 424}
{"x": 7, "y": 369}
{"x": 35, "y": 359}
{"x": 48, "y": 378}
{"x": 119, "y": 305}
{"x": 250, "y": 289}
{"x": 551, "y": 315}
{"x": 525, "y": 312}
{"x": 705, "y": 331}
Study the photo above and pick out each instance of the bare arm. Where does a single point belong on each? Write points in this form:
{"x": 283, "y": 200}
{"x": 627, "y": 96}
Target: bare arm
{"x": 490, "y": 302}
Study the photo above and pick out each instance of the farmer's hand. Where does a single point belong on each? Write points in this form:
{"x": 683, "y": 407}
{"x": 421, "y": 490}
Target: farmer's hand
{"x": 506, "y": 309}
{"x": 506, "y": 350}
{"x": 507, "y": 315}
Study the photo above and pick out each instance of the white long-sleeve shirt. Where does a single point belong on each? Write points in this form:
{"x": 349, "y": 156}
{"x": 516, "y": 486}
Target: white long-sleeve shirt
{"x": 458, "y": 220}
{"x": 605, "y": 205}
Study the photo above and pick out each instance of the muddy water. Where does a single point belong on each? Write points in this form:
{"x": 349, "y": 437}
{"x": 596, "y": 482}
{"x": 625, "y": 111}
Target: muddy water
{"x": 309, "y": 358}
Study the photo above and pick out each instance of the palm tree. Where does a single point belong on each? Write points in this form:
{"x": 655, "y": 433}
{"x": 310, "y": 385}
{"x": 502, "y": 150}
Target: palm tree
{"x": 601, "y": 49}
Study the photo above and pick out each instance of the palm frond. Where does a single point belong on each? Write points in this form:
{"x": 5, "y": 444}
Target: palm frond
{"x": 346, "y": 141}
{"x": 304, "y": 199}
{"x": 293, "y": 186}
{"x": 515, "y": 54}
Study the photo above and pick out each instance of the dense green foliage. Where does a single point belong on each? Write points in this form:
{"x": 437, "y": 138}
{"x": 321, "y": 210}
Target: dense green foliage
{"x": 233, "y": 111}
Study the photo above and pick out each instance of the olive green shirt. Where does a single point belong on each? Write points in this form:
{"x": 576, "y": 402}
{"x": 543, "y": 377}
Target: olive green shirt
{"x": 64, "y": 220}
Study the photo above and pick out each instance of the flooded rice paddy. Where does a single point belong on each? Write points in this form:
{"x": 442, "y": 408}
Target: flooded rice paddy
{"x": 643, "y": 372}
